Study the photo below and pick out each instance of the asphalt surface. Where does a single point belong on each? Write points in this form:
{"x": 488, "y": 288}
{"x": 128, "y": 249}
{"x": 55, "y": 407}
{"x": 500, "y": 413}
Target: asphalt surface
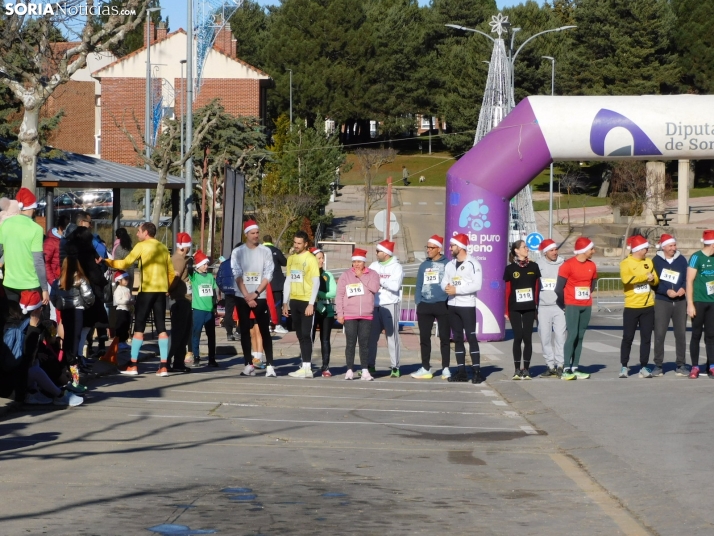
{"x": 214, "y": 451}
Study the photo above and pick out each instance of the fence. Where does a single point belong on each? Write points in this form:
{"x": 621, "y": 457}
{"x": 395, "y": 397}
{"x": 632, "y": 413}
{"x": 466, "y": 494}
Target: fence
{"x": 407, "y": 315}
{"x": 609, "y": 293}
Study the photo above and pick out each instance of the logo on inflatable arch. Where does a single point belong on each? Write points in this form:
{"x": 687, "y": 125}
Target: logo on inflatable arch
{"x": 607, "y": 120}
{"x": 475, "y": 215}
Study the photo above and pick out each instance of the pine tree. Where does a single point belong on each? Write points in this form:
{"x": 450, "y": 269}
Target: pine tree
{"x": 694, "y": 43}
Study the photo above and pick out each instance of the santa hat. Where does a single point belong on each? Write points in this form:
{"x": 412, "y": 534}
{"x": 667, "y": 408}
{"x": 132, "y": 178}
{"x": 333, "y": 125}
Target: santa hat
{"x": 26, "y": 199}
{"x": 183, "y": 240}
{"x": 387, "y": 247}
{"x": 583, "y": 245}
{"x": 460, "y": 240}
{"x": 437, "y": 241}
{"x": 249, "y": 226}
{"x": 547, "y": 245}
{"x": 315, "y": 251}
{"x": 120, "y": 275}
{"x": 665, "y": 240}
{"x": 359, "y": 255}
{"x": 199, "y": 259}
{"x": 637, "y": 243}
{"x": 708, "y": 237}
{"x": 30, "y": 300}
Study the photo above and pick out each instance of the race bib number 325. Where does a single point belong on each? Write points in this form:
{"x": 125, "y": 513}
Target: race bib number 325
{"x": 431, "y": 277}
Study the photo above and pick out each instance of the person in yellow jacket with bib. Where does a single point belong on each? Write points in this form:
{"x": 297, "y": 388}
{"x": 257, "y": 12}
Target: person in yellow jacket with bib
{"x": 639, "y": 279}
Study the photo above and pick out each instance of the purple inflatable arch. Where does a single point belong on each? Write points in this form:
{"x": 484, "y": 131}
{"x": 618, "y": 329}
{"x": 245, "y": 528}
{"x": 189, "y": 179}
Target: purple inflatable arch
{"x": 480, "y": 185}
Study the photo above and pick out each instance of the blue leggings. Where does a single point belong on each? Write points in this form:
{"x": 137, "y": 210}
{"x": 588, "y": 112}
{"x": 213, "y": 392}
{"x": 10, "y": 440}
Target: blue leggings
{"x": 204, "y": 319}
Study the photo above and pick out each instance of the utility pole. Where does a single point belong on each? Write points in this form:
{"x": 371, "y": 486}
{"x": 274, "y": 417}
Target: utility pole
{"x": 188, "y": 184}
{"x": 148, "y": 114}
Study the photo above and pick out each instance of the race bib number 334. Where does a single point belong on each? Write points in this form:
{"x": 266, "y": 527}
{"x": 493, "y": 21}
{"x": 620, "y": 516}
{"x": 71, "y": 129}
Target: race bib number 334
{"x": 296, "y": 276}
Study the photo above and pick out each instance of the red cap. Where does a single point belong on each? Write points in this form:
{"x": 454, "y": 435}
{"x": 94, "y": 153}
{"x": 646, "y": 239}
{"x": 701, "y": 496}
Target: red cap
{"x": 547, "y": 245}
{"x": 249, "y": 226}
{"x": 461, "y": 240}
{"x": 26, "y": 199}
{"x": 708, "y": 237}
{"x": 583, "y": 245}
{"x": 437, "y": 241}
{"x": 120, "y": 275}
{"x": 359, "y": 255}
{"x": 30, "y": 300}
{"x": 315, "y": 251}
{"x": 387, "y": 247}
{"x": 637, "y": 242}
{"x": 199, "y": 259}
{"x": 183, "y": 240}
{"x": 665, "y": 240}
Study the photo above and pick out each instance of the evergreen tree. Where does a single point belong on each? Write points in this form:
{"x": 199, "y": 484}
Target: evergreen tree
{"x": 249, "y": 25}
{"x": 694, "y": 43}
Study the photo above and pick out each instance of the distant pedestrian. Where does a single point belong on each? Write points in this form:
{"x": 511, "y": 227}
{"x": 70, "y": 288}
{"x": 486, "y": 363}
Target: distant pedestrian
{"x": 700, "y": 303}
{"x": 405, "y": 176}
{"x": 551, "y": 317}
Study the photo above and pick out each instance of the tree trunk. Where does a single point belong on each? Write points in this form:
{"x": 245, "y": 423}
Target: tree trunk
{"x": 29, "y": 137}
{"x": 156, "y": 211}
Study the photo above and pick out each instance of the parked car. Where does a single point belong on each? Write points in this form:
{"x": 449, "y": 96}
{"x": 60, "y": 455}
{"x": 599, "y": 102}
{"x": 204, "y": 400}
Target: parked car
{"x": 67, "y": 203}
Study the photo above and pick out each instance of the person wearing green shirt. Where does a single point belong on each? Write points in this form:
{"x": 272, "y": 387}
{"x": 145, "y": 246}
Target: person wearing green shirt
{"x": 203, "y": 301}
{"x": 700, "y": 302}
{"x": 324, "y": 310}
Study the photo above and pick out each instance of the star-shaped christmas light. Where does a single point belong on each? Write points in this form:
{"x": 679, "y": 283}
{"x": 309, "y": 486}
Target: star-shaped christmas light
{"x": 498, "y": 24}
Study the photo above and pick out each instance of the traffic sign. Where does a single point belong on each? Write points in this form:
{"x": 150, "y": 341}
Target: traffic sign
{"x": 533, "y": 240}
{"x": 380, "y": 222}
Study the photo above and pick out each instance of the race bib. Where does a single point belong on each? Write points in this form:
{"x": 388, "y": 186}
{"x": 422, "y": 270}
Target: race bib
{"x": 582, "y": 293}
{"x": 710, "y": 288}
{"x": 431, "y": 277}
{"x": 456, "y": 281}
{"x": 296, "y": 276}
{"x": 548, "y": 284}
{"x": 670, "y": 276}
{"x": 642, "y": 288}
{"x": 205, "y": 290}
{"x": 355, "y": 289}
{"x": 251, "y": 278}
{"x": 524, "y": 295}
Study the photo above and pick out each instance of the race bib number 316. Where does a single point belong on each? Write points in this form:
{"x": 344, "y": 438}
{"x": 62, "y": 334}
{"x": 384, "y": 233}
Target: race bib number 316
{"x": 355, "y": 289}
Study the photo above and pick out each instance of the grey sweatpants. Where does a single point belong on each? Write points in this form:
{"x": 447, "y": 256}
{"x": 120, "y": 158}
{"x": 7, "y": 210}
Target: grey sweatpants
{"x": 676, "y": 311}
{"x": 385, "y": 317}
{"x": 551, "y": 329}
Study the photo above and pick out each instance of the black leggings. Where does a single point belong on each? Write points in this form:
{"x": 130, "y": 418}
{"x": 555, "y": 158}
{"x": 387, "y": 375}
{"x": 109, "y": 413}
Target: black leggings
{"x": 522, "y": 325}
{"x": 181, "y": 332}
{"x": 72, "y": 324}
{"x": 704, "y": 320}
{"x": 230, "y": 305}
{"x": 631, "y": 318}
{"x": 427, "y": 313}
{"x": 303, "y": 328}
{"x": 460, "y": 319}
{"x": 357, "y": 330}
{"x": 262, "y": 318}
{"x": 325, "y": 323}
{"x": 150, "y": 301}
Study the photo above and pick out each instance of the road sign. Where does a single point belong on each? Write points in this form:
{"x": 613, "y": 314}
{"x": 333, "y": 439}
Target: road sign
{"x": 533, "y": 240}
{"x": 380, "y": 222}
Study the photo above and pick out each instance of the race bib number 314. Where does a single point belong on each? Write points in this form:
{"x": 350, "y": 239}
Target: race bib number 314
{"x": 582, "y": 293}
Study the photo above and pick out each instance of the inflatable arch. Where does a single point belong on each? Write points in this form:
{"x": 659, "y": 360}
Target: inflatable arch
{"x": 542, "y": 129}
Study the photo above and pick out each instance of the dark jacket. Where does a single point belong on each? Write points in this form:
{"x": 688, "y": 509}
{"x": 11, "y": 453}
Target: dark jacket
{"x": 679, "y": 265}
{"x": 279, "y": 260}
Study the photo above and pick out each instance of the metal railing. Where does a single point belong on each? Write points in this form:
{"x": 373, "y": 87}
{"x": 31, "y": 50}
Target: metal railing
{"x": 407, "y": 314}
{"x": 609, "y": 293}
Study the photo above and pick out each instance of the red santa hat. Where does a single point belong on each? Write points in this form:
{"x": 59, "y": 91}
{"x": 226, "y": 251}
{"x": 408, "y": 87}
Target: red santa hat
{"x": 583, "y": 245}
{"x": 199, "y": 259}
{"x": 547, "y": 245}
{"x": 30, "y": 300}
{"x": 665, "y": 240}
{"x": 387, "y": 247}
{"x": 26, "y": 199}
{"x": 315, "y": 251}
{"x": 183, "y": 240}
{"x": 708, "y": 237}
{"x": 436, "y": 240}
{"x": 249, "y": 226}
{"x": 359, "y": 255}
{"x": 460, "y": 240}
{"x": 119, "y": 275}
{"x": 637, "y": 243}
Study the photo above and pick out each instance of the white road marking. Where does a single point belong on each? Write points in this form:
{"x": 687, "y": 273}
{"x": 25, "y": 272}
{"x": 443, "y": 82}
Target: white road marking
{"x": 600, "y": 347}
{"x": 488, "y": 393}
{"x": 499, "y": 402}
{"x": 406, "y": 203}
{"x": 289, "y": 382}
{"x": 528, "y": 430}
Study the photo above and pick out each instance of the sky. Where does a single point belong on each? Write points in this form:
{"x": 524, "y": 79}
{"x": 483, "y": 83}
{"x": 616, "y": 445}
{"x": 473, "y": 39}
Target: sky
{"x": 176, "y": 9}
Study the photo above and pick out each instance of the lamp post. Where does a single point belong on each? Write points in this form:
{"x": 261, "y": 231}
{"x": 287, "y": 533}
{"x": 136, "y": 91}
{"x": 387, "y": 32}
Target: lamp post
{"x": 550, "y": 198}
{"x": 182, "y": 222}
{"x": 291, "y": 97}
{"x": 188, "y": 184}
{"x": 148, "y": 112}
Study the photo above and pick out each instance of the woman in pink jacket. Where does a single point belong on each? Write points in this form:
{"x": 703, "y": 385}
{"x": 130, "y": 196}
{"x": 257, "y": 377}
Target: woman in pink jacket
{"x": 354, "y": 306}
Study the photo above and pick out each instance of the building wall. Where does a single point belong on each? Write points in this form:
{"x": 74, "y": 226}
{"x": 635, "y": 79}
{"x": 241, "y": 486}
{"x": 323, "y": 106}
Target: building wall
{"x": 239, "y": 97}
{"x": 76, "y": 129}
{"x": 120, "y": 98}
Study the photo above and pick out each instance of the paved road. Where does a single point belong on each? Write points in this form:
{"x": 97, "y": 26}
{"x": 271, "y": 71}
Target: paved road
{"x": 421, "y": 211}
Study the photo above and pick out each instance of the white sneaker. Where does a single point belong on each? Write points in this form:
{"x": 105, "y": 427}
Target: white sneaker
{"x": 366, "y": 376}
{"x": 68, "y": 399}
{"x": 270, "y": 372}
{"x": 420, "y": 373}
{"x": 37, "y": 399}
{"x": 248, "y": 370}
{"x": 281, "y": 330}
{"x": 302, "y": 373}
{"x": 349, "y": 375}
{"x": 446, "y": 373}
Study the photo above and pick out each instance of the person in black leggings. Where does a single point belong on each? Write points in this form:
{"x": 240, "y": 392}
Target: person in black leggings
{"x": 521, "y": 277}
{"x": 324, "y": 311}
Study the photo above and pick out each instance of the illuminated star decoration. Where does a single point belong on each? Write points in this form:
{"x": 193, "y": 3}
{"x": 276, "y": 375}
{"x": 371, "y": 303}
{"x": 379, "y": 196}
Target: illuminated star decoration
{"x": 498, "y": 24}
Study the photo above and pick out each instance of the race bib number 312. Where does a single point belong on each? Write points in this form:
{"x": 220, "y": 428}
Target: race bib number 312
{"x": 251, "y": 278}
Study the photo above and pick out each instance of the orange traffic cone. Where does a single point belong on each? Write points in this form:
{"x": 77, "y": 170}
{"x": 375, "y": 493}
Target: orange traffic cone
{"x": 111, "y": 355}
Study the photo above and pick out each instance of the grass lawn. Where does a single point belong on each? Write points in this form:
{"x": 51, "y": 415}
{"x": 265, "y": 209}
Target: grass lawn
{"x": 576, "y": 202}
{"x": 433, "y": 167}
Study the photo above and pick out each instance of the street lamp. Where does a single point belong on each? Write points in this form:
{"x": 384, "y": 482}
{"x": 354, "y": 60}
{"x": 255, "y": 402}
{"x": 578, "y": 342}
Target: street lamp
{"x": 188, "y": 179}
{"x": 550, "y": 198}
{"x": 148, "y": 114}
{"x": 291, "y": 97}
{"x": 182, "y": 222}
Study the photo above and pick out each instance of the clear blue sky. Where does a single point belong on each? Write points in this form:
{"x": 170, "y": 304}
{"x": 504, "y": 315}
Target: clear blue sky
{"x": 176, "y": 9}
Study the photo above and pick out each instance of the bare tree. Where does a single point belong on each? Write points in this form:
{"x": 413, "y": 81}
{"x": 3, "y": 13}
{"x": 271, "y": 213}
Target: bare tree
{"x": 276, "y": 213}
{"x": 568, "y": 181}
{"x": 629, "y": 191}
{"x": 32, "y": 67}
{"x": 370, "y": 161}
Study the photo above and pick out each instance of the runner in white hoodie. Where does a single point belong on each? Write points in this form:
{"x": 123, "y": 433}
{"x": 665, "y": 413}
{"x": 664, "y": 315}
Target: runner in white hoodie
{"x": 386, "y": 305}
{"x": 462, "y": 280}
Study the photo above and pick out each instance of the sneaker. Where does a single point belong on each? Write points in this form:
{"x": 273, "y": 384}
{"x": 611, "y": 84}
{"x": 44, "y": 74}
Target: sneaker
{"x": 549, "y": 373}
{"x": 162, "y": 371}
{"x": 231, "y": 337}
{"x": 248, "y": 370}
{"x": 37, "y": 399}
{"x": 76, "y": 388}
{"x": 395, "y": 373}
{"x": 657, "y": 371}
{"x": 623, "y": 373}
{"x": 367, "y": 377}
{"x": 281, "y": 330}
{"x": 460, "y": 376}
{"x": 694, "y": 373}
{"x": 581, "y": 375}
{"x": 516, "y": 375}
{"x": 477, "y": 378}
{"x": 131, "y": 370}
{"x": 349, "y": 375}
{"x": 301, "y": 373}
{"x": 68, "y": 399}
{"x": 645, "y": 372}
{"x": 189, "y": 360}
{"x": 568, "y": 375}
{"x": 445, "y": 373}
{"x": 326, "y": 373}
{"x": 422, "y": 374}
{"x": 559, "y": 371}
{"x": 526, "y": 375}
{"x": 682, "y": 371}
{"x": 270, "y": 372}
